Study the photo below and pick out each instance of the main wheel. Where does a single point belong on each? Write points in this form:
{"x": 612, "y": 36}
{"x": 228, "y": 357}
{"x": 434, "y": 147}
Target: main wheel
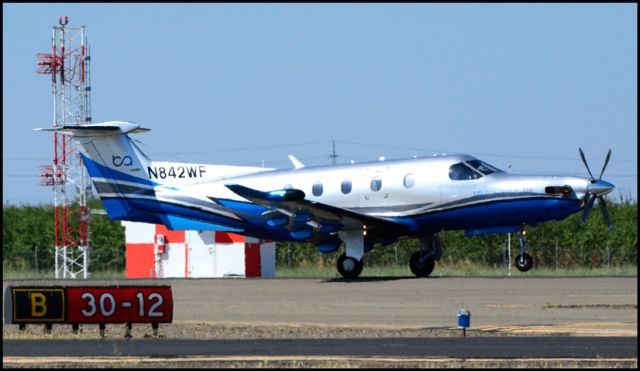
{"x": 524, "y": 262}
{"x": 349, "y": 267}
{"x": 424, "y": 268}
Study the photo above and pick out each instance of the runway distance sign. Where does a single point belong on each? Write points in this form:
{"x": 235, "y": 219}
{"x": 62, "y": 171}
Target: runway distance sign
{"x": 88, "y": 304}
{"x": 133, "y": 304}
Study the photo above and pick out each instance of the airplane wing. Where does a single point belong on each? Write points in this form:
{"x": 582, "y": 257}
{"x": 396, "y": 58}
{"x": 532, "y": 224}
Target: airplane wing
{"x": 290, "y": 209}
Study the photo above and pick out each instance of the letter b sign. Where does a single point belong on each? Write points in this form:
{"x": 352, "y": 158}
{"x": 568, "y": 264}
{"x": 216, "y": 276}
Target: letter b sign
{"x": 37, "y": 304}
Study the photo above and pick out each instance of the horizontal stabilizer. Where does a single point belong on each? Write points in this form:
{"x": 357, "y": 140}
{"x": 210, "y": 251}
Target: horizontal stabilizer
{"x": 102, "y": 128}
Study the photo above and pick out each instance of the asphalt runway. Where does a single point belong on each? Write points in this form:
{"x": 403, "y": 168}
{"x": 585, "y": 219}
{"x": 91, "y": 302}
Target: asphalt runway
{"x": 596, "y": 316}
{"x": 477, "y": 347}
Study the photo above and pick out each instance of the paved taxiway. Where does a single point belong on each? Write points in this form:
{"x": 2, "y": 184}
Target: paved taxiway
{"x": 412, "y": 302}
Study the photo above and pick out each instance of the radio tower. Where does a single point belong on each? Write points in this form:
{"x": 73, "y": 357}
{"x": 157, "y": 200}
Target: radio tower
{"x": 68, "y": 65}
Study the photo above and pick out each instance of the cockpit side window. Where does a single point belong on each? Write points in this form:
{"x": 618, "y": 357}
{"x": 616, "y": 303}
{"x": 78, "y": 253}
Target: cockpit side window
{"x": 460, "y": 171}
{"x": 483, "y": 167}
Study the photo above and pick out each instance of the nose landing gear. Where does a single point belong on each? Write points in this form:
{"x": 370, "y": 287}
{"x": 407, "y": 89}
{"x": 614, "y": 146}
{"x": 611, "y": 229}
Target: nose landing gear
{"x": 524, "y": 261}
{"x": 423, "y": 261}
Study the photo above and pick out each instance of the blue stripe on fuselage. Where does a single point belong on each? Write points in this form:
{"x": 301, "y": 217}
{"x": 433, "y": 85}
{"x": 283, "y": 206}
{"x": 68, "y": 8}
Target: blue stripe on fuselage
{"x": 494, "y": 214}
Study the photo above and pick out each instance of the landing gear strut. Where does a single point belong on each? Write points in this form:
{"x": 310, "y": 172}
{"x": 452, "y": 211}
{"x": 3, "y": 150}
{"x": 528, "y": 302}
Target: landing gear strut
{"x": 524, "y": 261}
{"x": 423, "y": 261}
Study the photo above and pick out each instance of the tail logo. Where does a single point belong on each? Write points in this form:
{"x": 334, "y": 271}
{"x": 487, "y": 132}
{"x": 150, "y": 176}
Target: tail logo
{"x": 121, "y": 161}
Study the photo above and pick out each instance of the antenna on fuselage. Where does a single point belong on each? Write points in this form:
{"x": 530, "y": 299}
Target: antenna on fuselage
{"x": 333, "y": 154}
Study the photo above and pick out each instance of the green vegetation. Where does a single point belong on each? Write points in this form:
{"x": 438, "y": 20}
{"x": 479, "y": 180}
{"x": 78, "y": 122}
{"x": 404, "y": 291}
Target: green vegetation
{"x": 466, "y": 269}
{"x": 558, "y": 248}
{"x": 28, "y": 240}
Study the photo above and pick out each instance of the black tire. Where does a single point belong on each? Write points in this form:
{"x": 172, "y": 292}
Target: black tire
{"x": 424, "y": 269}
{"x": 349, "y": 267}
{"x": 524, "y": 262}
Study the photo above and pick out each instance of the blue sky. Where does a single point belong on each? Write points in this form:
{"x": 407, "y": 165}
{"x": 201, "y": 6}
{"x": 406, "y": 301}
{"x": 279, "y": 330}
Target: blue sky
{"x": 515, "y": 85}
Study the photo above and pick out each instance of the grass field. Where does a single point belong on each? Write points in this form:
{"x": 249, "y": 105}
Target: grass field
{"x": 457, "y": 270}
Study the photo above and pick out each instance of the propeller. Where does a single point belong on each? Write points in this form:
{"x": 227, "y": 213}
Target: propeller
{"x": 596, "y": 189}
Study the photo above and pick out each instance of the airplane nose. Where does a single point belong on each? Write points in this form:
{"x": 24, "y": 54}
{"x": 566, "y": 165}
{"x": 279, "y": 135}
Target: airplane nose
{"x": 600, "y": 187}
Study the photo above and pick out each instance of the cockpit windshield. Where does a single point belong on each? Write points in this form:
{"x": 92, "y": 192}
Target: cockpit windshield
{"x": 483, "y": 167}
{"x": 460, "y": 171}
{"x": 471, "y": 170}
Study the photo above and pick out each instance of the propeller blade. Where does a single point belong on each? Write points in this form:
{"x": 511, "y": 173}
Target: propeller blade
{"x": 585, "y": 162}
{"x": 587, "y": 207}
{"x": 605, "y": 213}
{"x": 606, "y": 161}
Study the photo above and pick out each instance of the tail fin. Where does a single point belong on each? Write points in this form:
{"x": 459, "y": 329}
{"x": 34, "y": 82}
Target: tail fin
{"x": 132, "y": 187}
{"x": 117, "y": 166}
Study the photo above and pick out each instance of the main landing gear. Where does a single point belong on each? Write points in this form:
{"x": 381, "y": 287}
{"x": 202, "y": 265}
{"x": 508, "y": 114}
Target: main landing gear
{"x": 350, "y": 263}
{"x": 524, "y": 261}
{"x": 349, "y": 267}
{"x": 423, "y": 261}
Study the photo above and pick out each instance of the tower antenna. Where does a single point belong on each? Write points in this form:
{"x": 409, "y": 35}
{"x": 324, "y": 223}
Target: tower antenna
{"x": 68, "y": 65}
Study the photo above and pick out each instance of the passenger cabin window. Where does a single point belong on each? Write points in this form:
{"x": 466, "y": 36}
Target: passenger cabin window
{"x": 345, "y": 187}
{"x": 376, "y": 184}
{"x": 288, "y": 186}
{"x": 409, "y": 181}
{"x": 460, "y": 171}
{"x": 317, "y": 189}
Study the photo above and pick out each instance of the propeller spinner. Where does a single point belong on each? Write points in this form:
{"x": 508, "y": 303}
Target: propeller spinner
{"x": 595, "y": 190}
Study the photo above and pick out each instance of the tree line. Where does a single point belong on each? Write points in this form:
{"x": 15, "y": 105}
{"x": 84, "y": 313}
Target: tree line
{"x": 28, "y": 243}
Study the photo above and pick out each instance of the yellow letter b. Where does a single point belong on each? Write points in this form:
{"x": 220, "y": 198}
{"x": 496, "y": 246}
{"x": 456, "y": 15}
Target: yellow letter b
{"x": 38, "y": 307}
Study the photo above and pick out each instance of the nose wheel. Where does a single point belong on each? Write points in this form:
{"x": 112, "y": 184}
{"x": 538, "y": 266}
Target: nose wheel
{"x": 349, "y": 267}
{"x": 524, "y": 262}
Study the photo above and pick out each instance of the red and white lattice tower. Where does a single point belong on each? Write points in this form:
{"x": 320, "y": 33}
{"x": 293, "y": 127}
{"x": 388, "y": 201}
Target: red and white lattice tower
{"x": 68, "y": 65}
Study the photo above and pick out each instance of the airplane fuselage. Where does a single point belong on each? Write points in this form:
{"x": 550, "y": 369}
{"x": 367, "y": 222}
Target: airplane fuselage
{"x": 420, "y": 193}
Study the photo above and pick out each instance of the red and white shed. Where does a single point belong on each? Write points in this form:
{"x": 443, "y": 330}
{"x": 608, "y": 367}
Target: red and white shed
{"x": 154, "y": 251}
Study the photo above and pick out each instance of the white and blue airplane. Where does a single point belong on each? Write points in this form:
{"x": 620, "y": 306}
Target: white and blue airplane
{"x": 358, "y": 204}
